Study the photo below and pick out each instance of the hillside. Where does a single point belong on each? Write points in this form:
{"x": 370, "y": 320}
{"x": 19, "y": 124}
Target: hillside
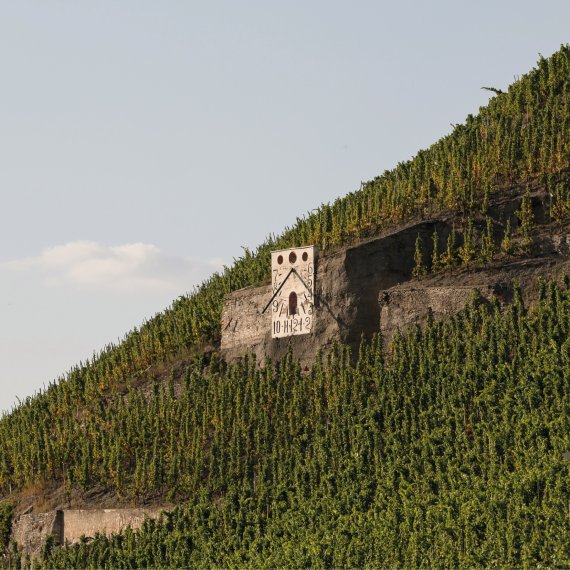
{"x": 443, "y": 448}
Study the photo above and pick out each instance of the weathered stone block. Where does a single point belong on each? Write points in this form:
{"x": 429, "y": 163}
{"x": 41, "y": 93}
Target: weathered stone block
{"x": 78, "y": 523}
{"x": 402, "y": 308}
{"x": 31, "y": 531}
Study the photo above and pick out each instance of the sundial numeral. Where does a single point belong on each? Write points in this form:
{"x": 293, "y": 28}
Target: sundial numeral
{"x": 292, "y": 285}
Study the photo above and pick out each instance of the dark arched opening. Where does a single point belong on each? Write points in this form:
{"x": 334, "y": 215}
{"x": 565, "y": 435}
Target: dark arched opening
{"x": 292, "y": 303}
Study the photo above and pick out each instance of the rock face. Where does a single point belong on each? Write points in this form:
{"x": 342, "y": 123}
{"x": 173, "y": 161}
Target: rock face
{"x": 243, "y": 323}
{"x": 367, "y": 287}
{"x": 30, "y": 531}
{"x": 347, "y": 285}
{"x": 444, "y": 294}
{"x": 401, "y": 308}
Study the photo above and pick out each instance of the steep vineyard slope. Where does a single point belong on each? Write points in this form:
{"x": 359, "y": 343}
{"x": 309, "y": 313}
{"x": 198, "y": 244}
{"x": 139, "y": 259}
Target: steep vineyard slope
{"x": 447, "y": 450}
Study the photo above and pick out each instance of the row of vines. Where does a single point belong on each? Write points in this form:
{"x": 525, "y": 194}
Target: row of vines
{"x": 445, "y": 452}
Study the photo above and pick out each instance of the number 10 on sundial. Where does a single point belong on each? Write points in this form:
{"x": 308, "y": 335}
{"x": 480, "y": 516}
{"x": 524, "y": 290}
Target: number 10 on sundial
{"x": 292, "y": 291}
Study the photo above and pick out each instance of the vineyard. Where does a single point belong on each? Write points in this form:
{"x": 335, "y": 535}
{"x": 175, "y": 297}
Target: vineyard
{"x": 444, "y": 450}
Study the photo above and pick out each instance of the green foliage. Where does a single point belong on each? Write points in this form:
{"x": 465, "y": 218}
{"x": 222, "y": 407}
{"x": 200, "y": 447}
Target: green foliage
{"x": 507, "y": 243}
{"x": 419, "y": 269}
{"x": 559, "y": 201}
{"x": 435, "y": 256}
{"x": 448, "y": 257}
{"x": 486, "y": 199}
{"x": 487, "y": 244}
{"x": 6, "y": 511}
{"x": 526, "y": 218}
{"x": 445, "y": 452}
{"x": 467, "y": 249}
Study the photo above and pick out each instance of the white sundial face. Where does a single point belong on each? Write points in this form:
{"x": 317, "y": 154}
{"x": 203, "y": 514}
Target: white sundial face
{"x": 293, "y": 289}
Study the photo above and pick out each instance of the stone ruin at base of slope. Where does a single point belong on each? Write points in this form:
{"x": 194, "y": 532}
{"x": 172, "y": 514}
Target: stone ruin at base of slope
{"x": 30, "y": 531}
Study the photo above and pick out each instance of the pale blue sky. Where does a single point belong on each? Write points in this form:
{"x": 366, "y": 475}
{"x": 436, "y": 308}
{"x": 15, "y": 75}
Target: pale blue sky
{"x": 142, "y": 143}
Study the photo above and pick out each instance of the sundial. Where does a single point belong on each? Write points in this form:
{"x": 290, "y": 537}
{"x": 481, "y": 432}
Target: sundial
{"x": 292, "y": 291}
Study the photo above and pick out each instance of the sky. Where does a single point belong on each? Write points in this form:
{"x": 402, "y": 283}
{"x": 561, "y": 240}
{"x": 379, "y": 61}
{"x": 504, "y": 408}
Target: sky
{"x": 142, "y": 144}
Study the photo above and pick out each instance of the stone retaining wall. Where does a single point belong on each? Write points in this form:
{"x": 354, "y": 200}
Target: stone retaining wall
{"x": 401, "y": 308}
{"x": 78, "y": 523}
{"x": 30, "y": 531}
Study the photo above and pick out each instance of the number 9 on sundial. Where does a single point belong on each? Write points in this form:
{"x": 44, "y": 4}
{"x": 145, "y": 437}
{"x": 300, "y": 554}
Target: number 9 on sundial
{"x": 292, "y": 291}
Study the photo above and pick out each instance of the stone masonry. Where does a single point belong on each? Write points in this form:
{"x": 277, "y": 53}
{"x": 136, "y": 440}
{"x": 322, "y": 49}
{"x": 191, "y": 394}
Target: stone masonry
{"x": 30, "y": 531}
{"x": 401, "y": 308}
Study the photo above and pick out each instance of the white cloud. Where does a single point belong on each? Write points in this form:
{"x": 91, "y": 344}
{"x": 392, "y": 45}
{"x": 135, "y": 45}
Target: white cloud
{"x": 127, "y": 267}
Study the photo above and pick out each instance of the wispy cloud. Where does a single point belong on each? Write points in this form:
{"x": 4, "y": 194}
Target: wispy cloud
{"x": 127, "y": 267}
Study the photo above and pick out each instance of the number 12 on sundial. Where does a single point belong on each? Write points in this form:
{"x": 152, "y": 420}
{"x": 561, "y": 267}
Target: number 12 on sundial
{"x": 292, "y": 289}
